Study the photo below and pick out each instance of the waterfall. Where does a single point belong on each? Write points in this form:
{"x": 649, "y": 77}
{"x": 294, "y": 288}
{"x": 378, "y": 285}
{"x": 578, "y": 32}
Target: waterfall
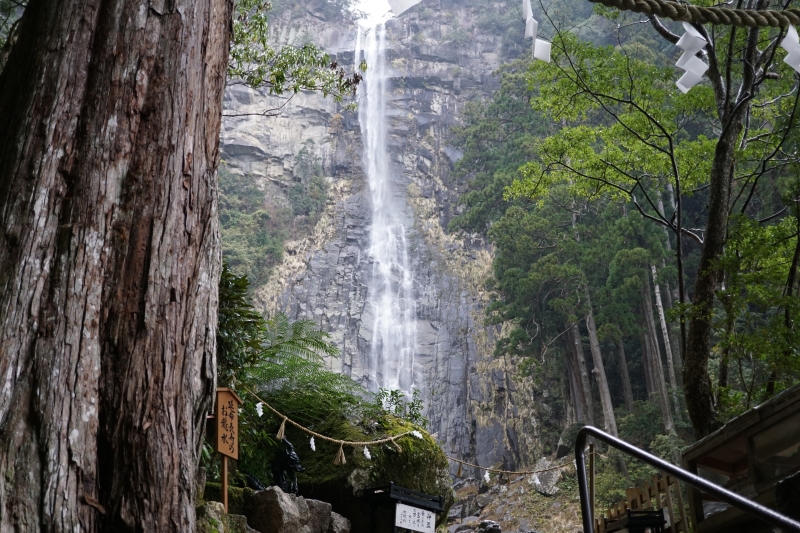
{"x": 391, "y": 286}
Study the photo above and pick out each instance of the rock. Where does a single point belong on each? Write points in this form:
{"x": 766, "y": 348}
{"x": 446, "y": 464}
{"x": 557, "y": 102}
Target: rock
{"x": 546, "y": 483}
{"x": 338, "y": 524}
{"x": 238, "y": 524}
{"x": 483, "y": 500}
{"x": 326, "y": 279}
{"x": 489, "y": 526}
{"x": 457, "y": 511}
{"x": 319, "y": 516}
{"x": 302, "y": 508}
{"x": 274, "y": 511}
{"x": 469, "y": 523}
{"x": 210, "y": 517}
{"x": 566, "y": 442}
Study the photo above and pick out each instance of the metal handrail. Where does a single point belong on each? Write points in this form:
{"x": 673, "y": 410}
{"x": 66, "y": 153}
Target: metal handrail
{"x": 762, "y": 512}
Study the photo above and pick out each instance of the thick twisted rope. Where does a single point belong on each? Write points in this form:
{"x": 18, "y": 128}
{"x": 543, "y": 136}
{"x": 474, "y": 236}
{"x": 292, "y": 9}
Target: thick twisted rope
{"x": 313, "y": 433}
{"x": 354, "y": 444}
{"x": 708, "y": 15}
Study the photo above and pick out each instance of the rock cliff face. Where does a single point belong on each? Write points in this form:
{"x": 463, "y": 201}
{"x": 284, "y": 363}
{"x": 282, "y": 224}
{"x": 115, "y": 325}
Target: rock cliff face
{"x": 480, "y": 406}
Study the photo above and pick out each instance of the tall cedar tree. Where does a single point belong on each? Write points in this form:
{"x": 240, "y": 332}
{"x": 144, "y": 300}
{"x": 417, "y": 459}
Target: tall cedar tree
{"x": 109, "y": 261}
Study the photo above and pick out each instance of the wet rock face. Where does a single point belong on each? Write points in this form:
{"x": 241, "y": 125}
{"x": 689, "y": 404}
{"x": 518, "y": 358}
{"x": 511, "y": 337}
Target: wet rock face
{"x": 478, "y": 405}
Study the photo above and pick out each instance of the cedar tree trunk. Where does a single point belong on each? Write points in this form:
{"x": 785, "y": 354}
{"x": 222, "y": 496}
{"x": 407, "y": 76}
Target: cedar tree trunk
{"x": 599, "y": 370}
{"x": 109, "y": 261}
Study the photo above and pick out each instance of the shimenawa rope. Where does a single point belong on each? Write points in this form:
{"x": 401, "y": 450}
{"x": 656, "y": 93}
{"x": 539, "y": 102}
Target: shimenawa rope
{"x": 340, "y": 458}
{"x": 708, "y": 15}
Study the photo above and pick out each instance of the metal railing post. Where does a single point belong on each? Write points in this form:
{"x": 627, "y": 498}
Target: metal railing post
{"x": 764, "y": 513}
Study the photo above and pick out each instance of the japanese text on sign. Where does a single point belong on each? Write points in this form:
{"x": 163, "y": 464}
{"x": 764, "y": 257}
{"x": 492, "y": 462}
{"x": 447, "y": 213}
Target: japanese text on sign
{"x": 227, "y": 418}
{"x": 414, "y": 519}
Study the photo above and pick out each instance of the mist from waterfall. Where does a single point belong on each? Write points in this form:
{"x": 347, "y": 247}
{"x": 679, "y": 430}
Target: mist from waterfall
{"x": 391, "y": 287}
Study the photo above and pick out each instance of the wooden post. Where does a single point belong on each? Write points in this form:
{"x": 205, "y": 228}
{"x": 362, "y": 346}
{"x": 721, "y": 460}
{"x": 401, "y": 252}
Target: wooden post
{"x": 226, "y": 417}
{"x": 225, "y": 483}
{"x": 591, "y": 479}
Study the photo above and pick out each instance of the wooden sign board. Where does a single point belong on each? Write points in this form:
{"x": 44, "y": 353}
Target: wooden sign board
{"x": 226, "y": 416}
{"x": 414, "y": 519}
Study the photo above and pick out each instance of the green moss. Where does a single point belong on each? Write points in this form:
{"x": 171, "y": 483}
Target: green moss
{"x": 238, "y": 498}
{"x": 421, "y": 465}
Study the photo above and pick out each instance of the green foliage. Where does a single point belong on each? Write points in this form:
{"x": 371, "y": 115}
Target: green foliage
{"x": 309, "y": 195}
{"x": 568, "y": 175}
{"x": 756, "y": 335}
{"x": 286, "y": 363}
{"x": 391, "y": 401}
{"x": 641, "y": 427}
{"x": 285, "y": 70}
{"x": 496, "y": 138}
{"x": 252, "y": 235}
{"x": 240, "y": 328}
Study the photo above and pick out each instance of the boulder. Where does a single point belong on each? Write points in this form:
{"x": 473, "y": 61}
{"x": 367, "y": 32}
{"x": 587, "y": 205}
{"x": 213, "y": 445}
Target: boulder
{"x": 211, "y": 518}
{"x": 274, "y": 511}
{"x": 546, "y": 483}
{"x": 566, "y": 442}
{"x": 319, "y": 519}
{"x": 339, "y": 524}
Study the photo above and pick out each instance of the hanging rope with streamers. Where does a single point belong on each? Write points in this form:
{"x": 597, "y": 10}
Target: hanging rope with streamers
{"x": 340, "y": 458}
{"x": 727, "y": 16}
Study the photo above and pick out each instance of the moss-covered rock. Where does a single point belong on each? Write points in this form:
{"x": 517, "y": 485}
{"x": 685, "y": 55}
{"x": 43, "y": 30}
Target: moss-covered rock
{"x": 211, "y": 518}
{"x": 238, "y": 498}
{"x": 420, "y": 465}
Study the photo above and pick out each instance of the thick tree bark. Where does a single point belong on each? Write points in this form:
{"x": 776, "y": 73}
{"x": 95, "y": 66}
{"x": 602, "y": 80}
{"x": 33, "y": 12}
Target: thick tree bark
{"x": 109, "y": 261}
{"x": 599, "y": 370}
{"x": 625, "y": 375}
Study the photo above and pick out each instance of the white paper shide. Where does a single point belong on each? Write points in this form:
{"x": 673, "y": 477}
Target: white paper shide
{"x": 539, "y": 47}
{"x": 414, "y": 519}
{"x": 691, "y": 42}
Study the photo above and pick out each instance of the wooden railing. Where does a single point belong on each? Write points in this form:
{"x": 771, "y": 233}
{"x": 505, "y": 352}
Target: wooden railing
{"x": 663, "y": 493}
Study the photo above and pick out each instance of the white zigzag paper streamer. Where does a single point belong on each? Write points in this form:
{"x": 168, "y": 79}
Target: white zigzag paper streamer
{"x": 791, "y": 43}
{"x": 691, "y": 42}
{"x": 539, "y": 48}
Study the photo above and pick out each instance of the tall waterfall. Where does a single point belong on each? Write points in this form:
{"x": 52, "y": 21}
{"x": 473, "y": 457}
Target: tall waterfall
{"x": 391, "y": 287}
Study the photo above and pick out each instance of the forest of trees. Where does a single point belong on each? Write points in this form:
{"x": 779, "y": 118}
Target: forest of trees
{"x": 646, "y": 241}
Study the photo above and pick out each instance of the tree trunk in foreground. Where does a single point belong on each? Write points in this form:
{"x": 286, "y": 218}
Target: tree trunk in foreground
{"x": 109, "y": 261}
